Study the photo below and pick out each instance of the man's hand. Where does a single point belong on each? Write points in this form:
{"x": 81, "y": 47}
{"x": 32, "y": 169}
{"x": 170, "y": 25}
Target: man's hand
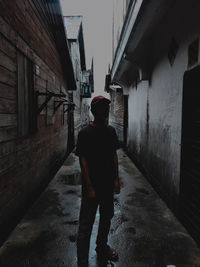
{"x": 117, "y": 186}
{"x": 91, "y": 192}
{"x": 84, "y": 167}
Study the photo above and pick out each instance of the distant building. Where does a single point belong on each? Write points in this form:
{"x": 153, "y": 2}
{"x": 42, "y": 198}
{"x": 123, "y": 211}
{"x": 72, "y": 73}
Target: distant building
{"x": 119, "y": 12}
{"x": 157, "y": 66}
{"x": 36, "y": 74}
{"x": 84, "y": 78}
{"x": 118, "y": 111}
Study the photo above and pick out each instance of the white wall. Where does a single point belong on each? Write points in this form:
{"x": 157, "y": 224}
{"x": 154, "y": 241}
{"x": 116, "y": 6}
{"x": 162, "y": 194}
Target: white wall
{"x": 155, "y": 107}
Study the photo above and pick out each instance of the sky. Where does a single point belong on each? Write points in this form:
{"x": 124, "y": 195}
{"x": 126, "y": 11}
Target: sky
{"x": 97, "y": 30}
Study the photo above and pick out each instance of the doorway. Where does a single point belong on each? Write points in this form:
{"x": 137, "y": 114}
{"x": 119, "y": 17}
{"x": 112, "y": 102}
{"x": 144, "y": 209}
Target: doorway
{"x": 190, "y": 154}
{"x": 125, "y": 120}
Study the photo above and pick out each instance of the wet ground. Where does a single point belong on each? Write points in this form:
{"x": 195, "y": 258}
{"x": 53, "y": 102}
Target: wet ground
{"x": 143, "y": 230}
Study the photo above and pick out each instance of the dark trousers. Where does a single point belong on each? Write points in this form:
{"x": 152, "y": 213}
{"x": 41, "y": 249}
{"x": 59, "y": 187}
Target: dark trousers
{"x": 86, "y": 221}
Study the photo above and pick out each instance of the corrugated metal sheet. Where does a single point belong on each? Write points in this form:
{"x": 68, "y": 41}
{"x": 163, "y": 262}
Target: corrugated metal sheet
{"x": 50, "y": 14}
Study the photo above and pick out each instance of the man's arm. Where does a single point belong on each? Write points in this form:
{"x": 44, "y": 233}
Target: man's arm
{"x": 84, "y": 167}
{"x": 117, "y": 183}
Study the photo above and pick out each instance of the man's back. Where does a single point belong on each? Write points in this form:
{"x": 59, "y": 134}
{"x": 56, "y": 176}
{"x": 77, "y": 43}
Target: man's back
{"x": 98, "y": 145}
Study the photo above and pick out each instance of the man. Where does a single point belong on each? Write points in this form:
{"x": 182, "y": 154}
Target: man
{"x": 96, "y": 147}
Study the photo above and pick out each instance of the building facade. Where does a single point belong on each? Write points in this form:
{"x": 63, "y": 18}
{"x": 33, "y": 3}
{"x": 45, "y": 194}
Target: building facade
{"x": 35, "y": 75}
{"x": 118, "y": 112}
{"x": 157, "y": 66}
{"x": 84, "y": 78}
{"x": 119, "y": 12}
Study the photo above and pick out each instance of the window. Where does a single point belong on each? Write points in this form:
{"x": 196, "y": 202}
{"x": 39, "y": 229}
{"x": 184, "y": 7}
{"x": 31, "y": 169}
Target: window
{"x": 77, "y": 70}
{"x": 27, "y": 114}
{"x": 50, "y": 113}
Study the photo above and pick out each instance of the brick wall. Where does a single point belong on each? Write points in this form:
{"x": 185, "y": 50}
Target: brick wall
{"x": 27, "y": 163}
{"x": 117, "y": 113}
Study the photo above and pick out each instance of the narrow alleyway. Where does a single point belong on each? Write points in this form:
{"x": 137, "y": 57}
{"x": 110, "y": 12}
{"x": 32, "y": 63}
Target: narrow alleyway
{"x": 143, "y": 230}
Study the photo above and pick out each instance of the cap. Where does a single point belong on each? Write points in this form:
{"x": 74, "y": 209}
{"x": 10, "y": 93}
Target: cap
{"x": 98, "y": 99}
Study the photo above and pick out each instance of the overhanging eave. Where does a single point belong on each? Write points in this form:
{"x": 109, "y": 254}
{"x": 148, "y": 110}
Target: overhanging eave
{"x": 134, "y": 45}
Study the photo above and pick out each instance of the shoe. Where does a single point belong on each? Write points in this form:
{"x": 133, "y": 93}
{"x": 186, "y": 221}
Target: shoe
{"x": 107, "y": 253}
{"x": 82, "y": 263}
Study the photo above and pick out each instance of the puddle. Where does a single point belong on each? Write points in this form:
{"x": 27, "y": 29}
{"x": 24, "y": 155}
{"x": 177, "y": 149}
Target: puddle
{"x": 73, "y": 192}
{"x": 116, "y": 212}
{"x": 112, "y": 231}
{"x": 131, "y": 230}
{"x": 72, "y": 238}
{"x": 72, "y": 222}
{"x": 71, "y": 179}
{"x": 142, "y": 190}
{"x": 119, "y": 220}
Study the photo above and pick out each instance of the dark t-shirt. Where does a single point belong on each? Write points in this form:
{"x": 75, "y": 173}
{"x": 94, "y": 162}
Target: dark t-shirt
{"x": 98, "y": 146}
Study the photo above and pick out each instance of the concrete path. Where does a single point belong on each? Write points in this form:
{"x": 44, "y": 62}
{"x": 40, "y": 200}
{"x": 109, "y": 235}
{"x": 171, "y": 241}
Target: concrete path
{"x": 144, "y": 231}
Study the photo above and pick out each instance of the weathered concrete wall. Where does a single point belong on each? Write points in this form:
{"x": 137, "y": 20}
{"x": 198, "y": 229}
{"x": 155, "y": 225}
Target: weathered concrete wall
{"x": 155, "y": 129}
{"x": 155, "y": 107}
{"x": 138, "y": 122}
{"x": 27, "y": 163}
